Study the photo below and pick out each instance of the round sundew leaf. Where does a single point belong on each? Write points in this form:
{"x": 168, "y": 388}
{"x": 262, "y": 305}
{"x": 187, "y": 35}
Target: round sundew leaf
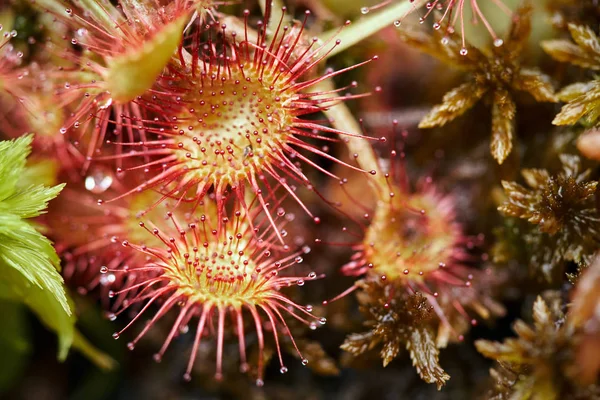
{"x": 133, "y": 73}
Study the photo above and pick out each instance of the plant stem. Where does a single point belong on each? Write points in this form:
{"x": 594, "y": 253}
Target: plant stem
{"x": 341, "y": 118}
{"x": 100, "y": 359}
{"x": 370, "y": 24}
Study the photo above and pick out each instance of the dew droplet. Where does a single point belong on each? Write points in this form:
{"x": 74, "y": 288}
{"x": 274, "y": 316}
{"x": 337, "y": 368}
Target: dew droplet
{"x": 397, "y": 23}
{"x": 464, "y": 51}
{"x": 498, "y": 42}
{"x": 283, "y": 370}
{"x": 103, "y": 269}
{"x": 115, "y": 335}
{"x": 304, "y": 361}
{"x": 364, "y": 10}
{"x": 98, "y": 181}
{"x": 107, "y": 279}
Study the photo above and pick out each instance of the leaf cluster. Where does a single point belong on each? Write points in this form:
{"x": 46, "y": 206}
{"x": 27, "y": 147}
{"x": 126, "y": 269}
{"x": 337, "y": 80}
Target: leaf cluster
{"x": 538, "y": 363}
{"x": 582, "y": 98}
{"x": 496, "y": 74}
{"x": 563, "y": 209}
{"x": 397, "y": 320}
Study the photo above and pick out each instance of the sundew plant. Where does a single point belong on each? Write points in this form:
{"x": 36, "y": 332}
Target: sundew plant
{"x": 300, "y": 199}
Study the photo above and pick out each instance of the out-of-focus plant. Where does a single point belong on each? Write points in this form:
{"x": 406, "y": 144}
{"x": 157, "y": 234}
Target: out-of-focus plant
{"x": 30, "y": 266}
{"x": 540, "y": 363}
{"x": 585, "y": 317}
{"x": 28, "y": 262}
{"x": 562, "y": 208}
{"x": 582, "y": 98}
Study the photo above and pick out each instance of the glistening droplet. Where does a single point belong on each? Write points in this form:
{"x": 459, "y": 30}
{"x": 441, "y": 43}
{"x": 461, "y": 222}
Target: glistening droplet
{"x": 98, "y": 181}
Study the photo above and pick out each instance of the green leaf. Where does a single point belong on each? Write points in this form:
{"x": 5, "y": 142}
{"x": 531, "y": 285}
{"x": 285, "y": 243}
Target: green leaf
{"x": 358, "y": 343}
{"x": 132, "y": 74}
{"x": 503, "y": 114}
{"x": 444, "y": 47}
{"x": 320, "y": 361}
{"x": 41, "y": 171}
{"x": 425, "y": 357}
{"x": 543, "y": 389}
{"x": 580, "y": 106}
{"x": 43, "y": 303}
{"x": 504, "y": 352}
{"x": 30, "y": 202}
{"x": 535, "y": 177}
{"x": 28, "y": 262}
{"x": 565, "y": 51}
{"x": 523, "y": 390}
{"x": 586, "y": 38}
{"x": 13, "y": 154}
{"x": 585, "y": 52}
{"x": 520, "y": 29}
{"x": 575, "y": 90}
{"x": 532, "y": 81}
{"x": 31, "y": 254}
{"x": 389, "y": 351}
{"x": 455, "y": 103}
{"x": 102, "y": 360}
{"x": 541, "y": 314}
{"x": 14, "y": 343}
